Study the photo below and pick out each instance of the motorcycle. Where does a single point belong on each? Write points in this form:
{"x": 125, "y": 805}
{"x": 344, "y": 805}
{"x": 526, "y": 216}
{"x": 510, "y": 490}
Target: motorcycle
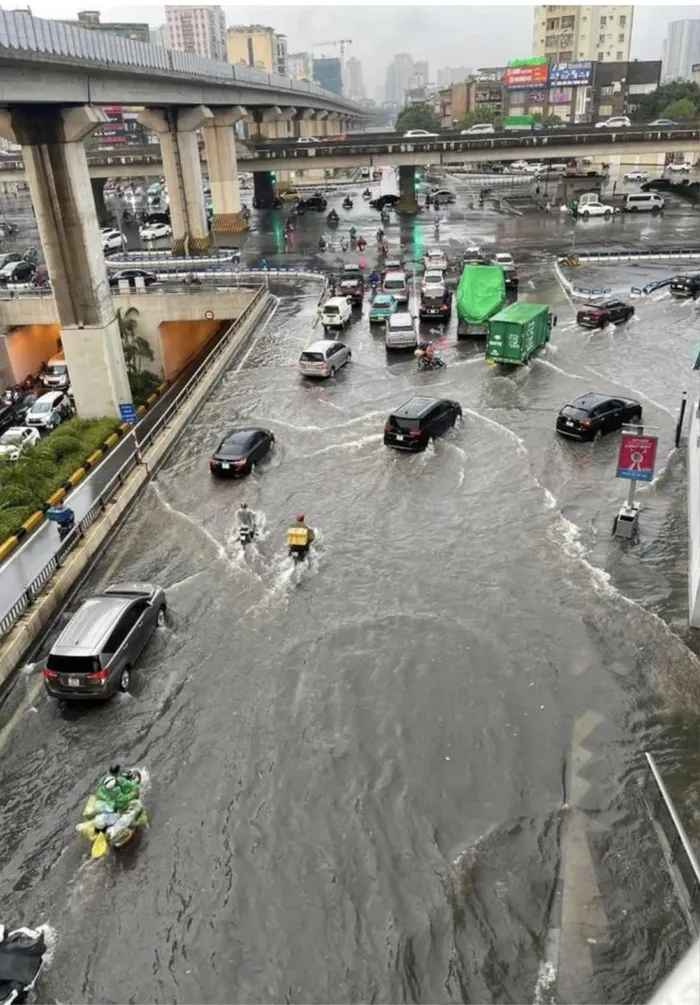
{"x": 332, "y": 219}
{"x": 347, "y": 204}
{"x": 427, "y": 363}
{"x": 246, "y": 534}
{"x": 298, "y": 543}
{"x": 366, "y": 194}
{"x": 104, "y": 827}
{"x": 22, "y": 953}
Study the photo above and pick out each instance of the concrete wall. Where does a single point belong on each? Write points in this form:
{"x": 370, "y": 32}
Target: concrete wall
{"x": 180, "y": 341}
{"x": 694, "y": 518}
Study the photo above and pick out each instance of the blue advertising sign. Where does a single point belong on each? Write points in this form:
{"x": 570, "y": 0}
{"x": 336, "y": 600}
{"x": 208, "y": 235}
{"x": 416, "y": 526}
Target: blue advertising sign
{"x": 128, "y": 414}
{"x": 561, "y": 74}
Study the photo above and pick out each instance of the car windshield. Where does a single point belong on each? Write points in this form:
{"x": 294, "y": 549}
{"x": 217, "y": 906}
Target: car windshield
{"x": 12, "y": 436}
{"x": 571, "y": 412}
{"x": 57, "y": 369}
{"x": 394, "y": 284}
{"x": 404, "y": 424}
{"x": 42, "y": 406}
{"x": 236, "y": 441}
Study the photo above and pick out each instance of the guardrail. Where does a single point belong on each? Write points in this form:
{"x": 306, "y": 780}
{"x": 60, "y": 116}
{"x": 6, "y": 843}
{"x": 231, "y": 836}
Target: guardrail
{"x": 30, "y": 592}
{"x": 676, "y": 847}
{"x": 119, "y": 259}
{"x": 660, "y": 254}
{"x": 578, "y": 292}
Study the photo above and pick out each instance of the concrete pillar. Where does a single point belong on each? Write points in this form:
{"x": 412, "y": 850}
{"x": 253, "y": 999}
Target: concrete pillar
{"x": 304, "y": 122}
{"x": 321, "y": 123}
{"x": 268, "y": 123}
{"x": 220, "y": 145}
{"x": 59, "y": 182}
{"x": 177, "y": 132}
{"x": 263, "y": 190}
{"x": 98, "y": 194}
{"x": 407, "y": 190}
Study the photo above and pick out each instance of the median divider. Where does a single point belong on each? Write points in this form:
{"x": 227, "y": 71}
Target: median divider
{"x": 32, "y": 612}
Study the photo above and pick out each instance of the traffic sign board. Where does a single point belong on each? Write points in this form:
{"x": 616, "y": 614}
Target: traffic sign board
{"x": 637, "y": 457}
{"x": 128, "y": 414}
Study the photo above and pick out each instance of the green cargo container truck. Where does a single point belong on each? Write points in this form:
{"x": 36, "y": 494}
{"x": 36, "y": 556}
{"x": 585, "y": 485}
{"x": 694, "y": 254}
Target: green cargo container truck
{"x": 518, "y": 332}
{"x": 480, "y": 294}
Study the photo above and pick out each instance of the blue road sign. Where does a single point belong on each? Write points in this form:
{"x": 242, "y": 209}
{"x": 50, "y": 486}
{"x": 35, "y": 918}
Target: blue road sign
{"x": 128, "y": 414}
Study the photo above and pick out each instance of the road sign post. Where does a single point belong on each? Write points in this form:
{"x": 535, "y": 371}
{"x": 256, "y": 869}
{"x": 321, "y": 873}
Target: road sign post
{"x": 635, "y": 462}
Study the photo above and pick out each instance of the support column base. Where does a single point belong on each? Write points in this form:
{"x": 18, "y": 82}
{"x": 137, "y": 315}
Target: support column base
{"x": 191, "y": 245}
{"x": 407, "y": 204}
{"x": 229, "y": 223}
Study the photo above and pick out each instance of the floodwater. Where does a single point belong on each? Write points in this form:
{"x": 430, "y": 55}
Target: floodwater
{"x": 363, "y": 778}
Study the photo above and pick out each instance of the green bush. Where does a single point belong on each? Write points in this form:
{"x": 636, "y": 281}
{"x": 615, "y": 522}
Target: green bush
{"x": 27, "y": 483}
{"x": 142, "y": 385}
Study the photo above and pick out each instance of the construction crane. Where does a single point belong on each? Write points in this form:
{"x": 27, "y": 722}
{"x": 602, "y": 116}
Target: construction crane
{"x": 342, "y": 42}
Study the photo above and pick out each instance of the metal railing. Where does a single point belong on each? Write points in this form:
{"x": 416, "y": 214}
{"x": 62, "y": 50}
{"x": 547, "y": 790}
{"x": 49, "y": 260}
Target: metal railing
{"x": 119, "y": 259}
{"x": 676, "y": 847}
{"x": 28, "y": 595}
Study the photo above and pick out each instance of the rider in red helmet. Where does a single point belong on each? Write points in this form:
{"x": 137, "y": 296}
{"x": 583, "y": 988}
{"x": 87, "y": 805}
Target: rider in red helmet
{"x": 299, "y": 522}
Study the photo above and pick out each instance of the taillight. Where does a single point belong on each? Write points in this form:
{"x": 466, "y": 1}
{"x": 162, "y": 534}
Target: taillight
{"x": 50, "y": 673}
{"x": 213, "y": 464}
{"x": 443, "y": 307}
{"x": 387, "y": 428}
{"x": 415, "y": 432}
{"x": 239, "y": 464}
{"x": 97, "y": 675}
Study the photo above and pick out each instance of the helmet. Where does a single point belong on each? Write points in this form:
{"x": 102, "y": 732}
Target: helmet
{"x": 244, "y": 505}
{"x": 111, "y": 782}
{"x": 115, "y": 769}
{"x": 300, "y": 517}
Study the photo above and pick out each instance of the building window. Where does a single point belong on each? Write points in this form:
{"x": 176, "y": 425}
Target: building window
{"x": 603, "y": 21}
{"x": 623, "y": 20}
{"x": 565, "y": 57}
{"x": 601, "y": 57}
{"x": 551, "y": 42}
{"x": 620, "y": 38}
{"x": 619, "y": 57}
{"x": 601, "y": 39}
{"x": 568, "y": 22}
{"x": 553, "y": 24}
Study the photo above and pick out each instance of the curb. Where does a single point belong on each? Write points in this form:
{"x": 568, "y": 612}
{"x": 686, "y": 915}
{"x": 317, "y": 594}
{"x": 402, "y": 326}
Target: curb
{"x": 33, "y": 623}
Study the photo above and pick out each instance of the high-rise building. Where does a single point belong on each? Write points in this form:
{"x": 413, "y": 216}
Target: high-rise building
{"x": 681, "y": 50}
{"x": 138, "y": 31}
{"x": 196, "y": 28}
{"x": 568, "y": 33}
{"x": 398, "y": 78}
{"x": 300, "y": 65}
{"x": 158, "y": 36}
{"x": 258, "y": 46}
{"x": 328, "y": 73}
{"x": 353, "y": 79}
{"x": 453, "y": 75}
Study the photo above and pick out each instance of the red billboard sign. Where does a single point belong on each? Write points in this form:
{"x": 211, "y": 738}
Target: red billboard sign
{"x": 533, "y": 75}
{"x": 637, "y": 457}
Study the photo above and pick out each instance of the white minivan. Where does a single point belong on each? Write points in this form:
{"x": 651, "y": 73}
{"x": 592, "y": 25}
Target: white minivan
{"x": 401, "y": 331}
{"x": 336, "y": 312}
{"x": 323, "y": 358}
{"x": 643, "y": 202}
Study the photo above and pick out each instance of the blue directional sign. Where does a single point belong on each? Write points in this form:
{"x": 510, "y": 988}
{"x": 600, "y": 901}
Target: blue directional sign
{"x": 128, "y": 414}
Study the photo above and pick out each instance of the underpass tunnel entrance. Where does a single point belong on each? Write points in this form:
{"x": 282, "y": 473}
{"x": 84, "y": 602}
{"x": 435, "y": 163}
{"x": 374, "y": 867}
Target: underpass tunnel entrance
{"x": 180, "y": 341}
{"x": 27, "y": 347}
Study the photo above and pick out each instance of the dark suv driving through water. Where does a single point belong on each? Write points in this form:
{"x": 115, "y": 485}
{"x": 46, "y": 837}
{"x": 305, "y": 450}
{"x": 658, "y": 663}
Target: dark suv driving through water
{"x": 419, "y": 420}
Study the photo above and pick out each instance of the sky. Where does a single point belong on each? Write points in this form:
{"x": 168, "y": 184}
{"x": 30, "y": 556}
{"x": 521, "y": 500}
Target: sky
{"x": 459, "y": 35}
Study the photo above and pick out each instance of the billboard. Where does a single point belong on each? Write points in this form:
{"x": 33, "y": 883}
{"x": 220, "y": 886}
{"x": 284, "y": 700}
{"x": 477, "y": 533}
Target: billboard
{"x": 527, "y": 74}
{"x": 578, "y": 74}
{"x": 637, "y": 457}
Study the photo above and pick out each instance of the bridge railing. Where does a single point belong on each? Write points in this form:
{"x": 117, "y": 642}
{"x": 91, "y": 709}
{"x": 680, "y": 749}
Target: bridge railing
{"x": 20, "y": 32}
{"x": 675, "y": 844}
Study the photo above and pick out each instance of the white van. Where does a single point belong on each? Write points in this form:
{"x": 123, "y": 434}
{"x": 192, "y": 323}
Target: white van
{"x": 643, "y": 202}
{"x": 401, "y": 331}
{"x": 55, "y": 376}
{"x": 336, "y": 312}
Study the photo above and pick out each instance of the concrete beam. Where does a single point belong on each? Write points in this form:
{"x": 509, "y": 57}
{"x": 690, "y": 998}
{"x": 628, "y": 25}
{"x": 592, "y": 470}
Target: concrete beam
{"x": 271, "y": 114}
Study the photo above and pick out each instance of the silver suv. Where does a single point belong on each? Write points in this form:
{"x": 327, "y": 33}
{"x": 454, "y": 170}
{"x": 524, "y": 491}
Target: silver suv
{"x": 94, "y": 655}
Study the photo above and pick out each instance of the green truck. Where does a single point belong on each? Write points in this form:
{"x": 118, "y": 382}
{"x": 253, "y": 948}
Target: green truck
{"x": 518, "y": 332}
{"x": 480, "y": 294}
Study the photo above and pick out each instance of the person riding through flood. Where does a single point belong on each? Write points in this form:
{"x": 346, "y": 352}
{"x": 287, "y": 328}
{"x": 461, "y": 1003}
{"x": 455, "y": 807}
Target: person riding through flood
{"x": 245, "y": 516}
{"x": 300, "y": 536}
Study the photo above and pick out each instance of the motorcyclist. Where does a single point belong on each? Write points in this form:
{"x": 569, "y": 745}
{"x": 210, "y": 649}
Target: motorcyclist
{"x": 300, "y": 536}
{"x": 361, "y": 243}
{"x": 353, "y": 233}
{"x": 367, "y": 193}
{"x": 245, "y": 517}
{"x": 373, "y": 278}
{"x": 380, "y": 235}
{"x": 118, "y": 789}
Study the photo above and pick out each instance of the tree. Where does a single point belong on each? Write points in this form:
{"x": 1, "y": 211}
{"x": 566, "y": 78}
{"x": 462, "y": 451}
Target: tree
{"x": 136, "y": 348}
{"x": 547, "y": 120}
{"x": 683, "y": 108}
{"x": 652, "y": 106}
{"x": 418, "y": 116}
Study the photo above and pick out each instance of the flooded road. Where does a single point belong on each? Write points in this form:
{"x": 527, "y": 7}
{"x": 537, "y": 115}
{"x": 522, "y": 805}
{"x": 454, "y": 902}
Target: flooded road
{"x": 364, "y": 783}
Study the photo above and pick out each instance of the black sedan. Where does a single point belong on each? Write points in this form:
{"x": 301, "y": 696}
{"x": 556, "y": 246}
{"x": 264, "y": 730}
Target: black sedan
{"x": 316, "y": 202}
{"x": 591, "y": 415}
{"x": 239, "y": 450}
{"x": 130, "y": 276}
{"x": 606, "y": 313}
{"x": 685, "y": 287}
{"x": 384, "y": 200}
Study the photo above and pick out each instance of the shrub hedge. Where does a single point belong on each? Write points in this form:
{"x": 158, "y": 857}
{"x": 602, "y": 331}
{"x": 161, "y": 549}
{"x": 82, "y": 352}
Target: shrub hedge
{"x": 26, "y": 484}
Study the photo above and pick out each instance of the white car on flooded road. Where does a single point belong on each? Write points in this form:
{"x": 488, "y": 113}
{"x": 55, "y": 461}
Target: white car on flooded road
{"x": 596, "y": 209}
{"x": 154, "y": 231}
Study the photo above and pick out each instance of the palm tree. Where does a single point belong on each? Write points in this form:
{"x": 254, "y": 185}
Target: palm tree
{"x": 136, "y": 348}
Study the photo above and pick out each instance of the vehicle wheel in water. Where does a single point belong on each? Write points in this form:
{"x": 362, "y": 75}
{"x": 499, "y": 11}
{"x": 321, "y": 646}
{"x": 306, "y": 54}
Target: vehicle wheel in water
{"x": 598, "y": 434}
{"x": 635, "y": 209}
{"x": 607, "y": 213}
{"x": 161, "y": 617}
{"x": 125, "y": 680}
{"x": 332, "y": 371}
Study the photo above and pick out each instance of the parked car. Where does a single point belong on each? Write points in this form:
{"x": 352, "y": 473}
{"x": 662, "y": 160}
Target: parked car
{"x": 130, "y": 276}
{"x": 592, "y": 415}
{"x": 56, "y": 377}
{"x": 239, "y": 450}
{"x": 685, "y": 287}
{"x": 336, "y": 312}
{"x": 680, "y": 167}
{"x": 154, "y": 231}
{"x": 308, "y": 139}
{"x": 636, "y": 175}
{"x": 596, "y": 209}
{"x": 94, "y": 655}
{"x": 479, "y": 129}
{"x": 435, "y": 305}
{"x": 382, "y": 307}
{"x": 433, "y": 281}
{"x": 419, "y": 420}
{"x": 17, "y": 272}
{"x": 614, "y": 122}
{"x": 435, "y": 258}
{"x": 444, "y": 196}
{"x": 396, "y": 284}
{"x": 112, "y": 240}
{"x": 643, "y": 202}
{"x": 8, "y": 417}
{"x": 49, "y": 410}
{"x": 14, "y": 441}
{"x": 401, "y": 332}
{"x": 315, "y": 201}
{"x": 10, "y": 256}
{"x": 605, "y": 313}
{"x": 419, "y": 134}
{"x": 324, "y": 358}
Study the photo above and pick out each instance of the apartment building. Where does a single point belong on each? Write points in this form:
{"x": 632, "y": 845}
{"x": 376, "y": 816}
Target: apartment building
{"x": 567, "y": 33}
{"x": 196, "y": 28}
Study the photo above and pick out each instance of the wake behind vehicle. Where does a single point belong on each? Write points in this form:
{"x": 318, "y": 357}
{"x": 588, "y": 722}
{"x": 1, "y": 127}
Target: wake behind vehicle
{"x": 94, "y": 655}
{"x": 22, "y": 956}
{"x": 591, "y": 415}
{"x": 517, "y": 332}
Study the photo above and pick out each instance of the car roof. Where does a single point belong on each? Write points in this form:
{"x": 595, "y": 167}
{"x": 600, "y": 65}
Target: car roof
{"x": 130, "y": 589}
{"x": 590, "y": 399}
{"x": 321, "y": 345}
{"x": 242, "y": 431}
{"x": 383, "y": 298}
{"x": 395, "y": 275}
{"x": 49, "y": 396}
{"x": 91, "y": 624}
{"x": 416, "y": 407}
{"x": 336, "y": 301}
{"x": 400, "y": 319}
